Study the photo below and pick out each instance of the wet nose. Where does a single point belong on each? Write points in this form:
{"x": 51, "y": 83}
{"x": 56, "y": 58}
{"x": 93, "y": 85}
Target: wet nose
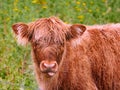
{"x": 48, "y": 67}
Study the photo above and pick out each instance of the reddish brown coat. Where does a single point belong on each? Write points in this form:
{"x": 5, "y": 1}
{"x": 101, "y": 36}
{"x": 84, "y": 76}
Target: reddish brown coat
{"x": 78, "y": 57}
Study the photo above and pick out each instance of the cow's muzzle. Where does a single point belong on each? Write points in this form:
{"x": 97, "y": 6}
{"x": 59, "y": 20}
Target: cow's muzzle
{"x": 49, "y": 68}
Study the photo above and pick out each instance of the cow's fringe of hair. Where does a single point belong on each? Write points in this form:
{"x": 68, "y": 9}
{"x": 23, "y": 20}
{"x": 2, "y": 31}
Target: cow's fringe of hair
{"x": 47, "y": 29}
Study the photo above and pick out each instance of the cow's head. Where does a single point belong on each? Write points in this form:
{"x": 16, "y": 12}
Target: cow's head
{"x": 48, "y": 37}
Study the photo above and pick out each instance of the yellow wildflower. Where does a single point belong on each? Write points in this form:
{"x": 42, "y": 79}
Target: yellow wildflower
{"x": 16, "y": 2}
{"x": 81, "y": 16}
{"x": 15, "y": 9}
{"x": 84, "y": 4}
{"x": 43, "y": 2}
{"x": 7, "y": 19}
{"x": 78, "y": 9}
{"x": 89, "y": 10}
{"x": 26, "y": 8}
{"x": 44, "y": 6}
{"x": 91, "y": 2}
{"x": 34, "y": 1}
{"x": 78, "y": 2}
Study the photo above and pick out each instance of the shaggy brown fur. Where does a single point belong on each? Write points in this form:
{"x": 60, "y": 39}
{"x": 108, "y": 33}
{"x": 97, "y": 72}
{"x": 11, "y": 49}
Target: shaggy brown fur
{"x": 88, "y": 57}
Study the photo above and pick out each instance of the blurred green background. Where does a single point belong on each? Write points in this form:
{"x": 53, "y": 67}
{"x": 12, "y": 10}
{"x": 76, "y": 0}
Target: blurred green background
{"x": 16, "y": 70}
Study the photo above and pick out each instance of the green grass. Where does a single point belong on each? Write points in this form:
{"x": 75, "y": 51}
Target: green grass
{"x": 16, "y": 71}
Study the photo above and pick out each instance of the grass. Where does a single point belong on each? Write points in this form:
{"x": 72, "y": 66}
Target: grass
{"x": 16, "y": 70}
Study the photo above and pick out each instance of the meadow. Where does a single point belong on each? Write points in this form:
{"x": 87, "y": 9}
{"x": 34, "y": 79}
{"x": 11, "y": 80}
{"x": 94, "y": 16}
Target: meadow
{"x": 16, "y": 69}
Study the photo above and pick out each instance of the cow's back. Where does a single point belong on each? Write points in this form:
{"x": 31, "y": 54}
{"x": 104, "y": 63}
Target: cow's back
{"x": 104, "y": 53}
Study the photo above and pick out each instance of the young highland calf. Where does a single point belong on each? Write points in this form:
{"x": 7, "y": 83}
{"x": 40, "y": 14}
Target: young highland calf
{"x": 73, "y": 57}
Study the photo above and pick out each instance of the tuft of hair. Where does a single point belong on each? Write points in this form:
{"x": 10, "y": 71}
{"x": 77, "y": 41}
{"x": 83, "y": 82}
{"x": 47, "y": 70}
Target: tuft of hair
{"x": 50, "y": 29}
{"x": 22, "y": 41}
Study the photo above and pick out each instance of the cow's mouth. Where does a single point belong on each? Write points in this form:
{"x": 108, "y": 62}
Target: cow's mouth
{"x": 51, "y": 73}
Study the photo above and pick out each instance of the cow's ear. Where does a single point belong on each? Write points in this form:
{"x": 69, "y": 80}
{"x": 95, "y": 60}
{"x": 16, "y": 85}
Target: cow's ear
{"x": 76, "y": 30}
{"x": 22, "y": 33}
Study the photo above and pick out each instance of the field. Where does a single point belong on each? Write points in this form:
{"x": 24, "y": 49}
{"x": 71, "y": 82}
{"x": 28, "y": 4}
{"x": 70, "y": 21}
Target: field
{"x": 16, "y": 70}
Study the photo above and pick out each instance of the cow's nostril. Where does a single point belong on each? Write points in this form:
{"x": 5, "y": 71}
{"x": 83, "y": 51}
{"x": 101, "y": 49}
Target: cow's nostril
{"x": 49, "y": 65}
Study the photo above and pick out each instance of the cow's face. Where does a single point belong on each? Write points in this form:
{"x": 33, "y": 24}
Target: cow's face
{"x": 48, "y": 55}
{"x": 48, "y": 38}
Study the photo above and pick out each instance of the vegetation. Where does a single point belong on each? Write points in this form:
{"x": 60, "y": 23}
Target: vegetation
{"x": 16, "y": 70}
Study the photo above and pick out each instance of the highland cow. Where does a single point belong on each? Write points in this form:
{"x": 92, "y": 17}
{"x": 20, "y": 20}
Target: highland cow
{"x": 73, "y": 57}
